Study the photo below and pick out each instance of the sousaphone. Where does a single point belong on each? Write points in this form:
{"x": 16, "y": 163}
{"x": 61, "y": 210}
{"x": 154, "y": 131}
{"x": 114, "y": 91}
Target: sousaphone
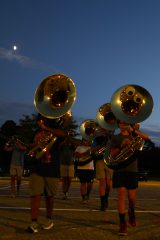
{"x": 53, "y": 99}
{"x": 131, "y": 104}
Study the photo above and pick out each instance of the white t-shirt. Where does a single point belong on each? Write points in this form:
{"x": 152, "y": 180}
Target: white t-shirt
{"x": 83, "y": 149}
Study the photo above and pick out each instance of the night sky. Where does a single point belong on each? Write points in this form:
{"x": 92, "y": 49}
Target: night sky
{"x": 100, "y": 44}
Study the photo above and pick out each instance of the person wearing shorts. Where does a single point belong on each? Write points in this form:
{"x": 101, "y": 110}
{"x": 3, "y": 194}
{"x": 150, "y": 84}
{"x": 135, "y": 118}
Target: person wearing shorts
{"x": 103, "y": 173}
{"x": 85, "y": 169}
{"x": 125, "y": 178}
{"x": 45, "y": 171}
{"x": 17, "y": 164}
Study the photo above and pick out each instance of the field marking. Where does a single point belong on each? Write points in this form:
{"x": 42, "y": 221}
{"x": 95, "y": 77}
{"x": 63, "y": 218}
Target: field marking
{"x": 71, "y": 198}
{"x": 78, "y": 209}
{"x": 9, "y": 186}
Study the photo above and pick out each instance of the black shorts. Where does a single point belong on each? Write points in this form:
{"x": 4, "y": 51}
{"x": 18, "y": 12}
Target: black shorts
{"x": 125, "y": 179}
{"x": 85, "y": 175}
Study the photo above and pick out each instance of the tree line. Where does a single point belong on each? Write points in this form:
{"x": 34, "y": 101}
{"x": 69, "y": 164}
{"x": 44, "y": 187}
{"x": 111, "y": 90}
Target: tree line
{"x": 23, "y": 131}
{"x": 149, "y": 157}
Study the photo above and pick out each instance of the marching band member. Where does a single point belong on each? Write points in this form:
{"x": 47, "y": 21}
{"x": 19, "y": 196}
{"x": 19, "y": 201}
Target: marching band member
{"x": 85, "y": 168}
{"x": 103, "y": 173}
{"x": 125, "y": 179}
{"x": 44, "y": 178}
{"x": 17, "y": 164}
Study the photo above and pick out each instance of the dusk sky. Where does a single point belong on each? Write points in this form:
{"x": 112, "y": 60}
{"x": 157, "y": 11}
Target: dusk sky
{"x": 100, "y": 44}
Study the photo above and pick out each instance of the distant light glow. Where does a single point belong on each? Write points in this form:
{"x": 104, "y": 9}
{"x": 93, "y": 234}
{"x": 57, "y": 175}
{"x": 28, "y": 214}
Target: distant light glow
{"x": 15, "y": 48}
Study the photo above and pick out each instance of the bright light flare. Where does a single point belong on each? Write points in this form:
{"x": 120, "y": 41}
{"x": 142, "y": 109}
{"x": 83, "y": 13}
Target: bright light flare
{"x": 15, "y": 48}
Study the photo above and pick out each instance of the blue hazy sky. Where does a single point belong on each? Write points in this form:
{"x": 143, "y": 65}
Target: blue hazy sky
{"x": 100, "y": 44}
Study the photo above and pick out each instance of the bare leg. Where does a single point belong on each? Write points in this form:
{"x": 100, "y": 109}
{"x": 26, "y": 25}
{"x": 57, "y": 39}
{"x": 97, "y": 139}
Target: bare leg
{"x": 131, "y": 211}
{"x": 18, "y": 183}
{"x": 49, "y": 206}
{"x": 122, "y": 211}
{"x": 35, "y": 205}
{"x": 66, "y": 182}
{"x": 121, "y": 200}
{"x": 89, "y": 188}
{"x": 13, "y": 184}
{"x": 102, "y": 192}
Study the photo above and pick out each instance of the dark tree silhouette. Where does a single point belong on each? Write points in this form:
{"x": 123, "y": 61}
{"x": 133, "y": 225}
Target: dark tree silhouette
{"x": 24, "y": 131}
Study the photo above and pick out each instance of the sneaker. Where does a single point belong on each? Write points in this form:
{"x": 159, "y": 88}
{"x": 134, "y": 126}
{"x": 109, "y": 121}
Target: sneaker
{"x": 132, "y": 220}
{"x": 33, "y": 228}
{"x": 123, "y": 229}
{"x": 48, "y": 225}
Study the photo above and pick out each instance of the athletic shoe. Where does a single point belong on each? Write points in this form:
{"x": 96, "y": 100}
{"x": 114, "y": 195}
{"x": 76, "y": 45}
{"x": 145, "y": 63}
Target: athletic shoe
{"x": 33, "y": 228}
{"x": 123, "y": 229}
{"x": 48, "y": 225}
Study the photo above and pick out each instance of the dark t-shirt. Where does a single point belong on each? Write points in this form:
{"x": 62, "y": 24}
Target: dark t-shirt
{"x": 52, "y": 168}
{"x": 116, "y": 143}
{"x": 66, "y": 155}
{"x": 99, "y": 141}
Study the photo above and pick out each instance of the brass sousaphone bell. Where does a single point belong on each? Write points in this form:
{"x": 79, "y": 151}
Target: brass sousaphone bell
{"x": 55, "y": 96}
{"x": 131, "y": 103}
{"x": 105, "y": 117}
{"x": 88, "y": 129}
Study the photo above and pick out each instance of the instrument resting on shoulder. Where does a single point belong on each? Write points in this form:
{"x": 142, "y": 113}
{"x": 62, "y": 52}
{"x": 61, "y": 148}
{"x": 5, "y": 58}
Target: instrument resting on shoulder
{"x": 53, "y": 100}
{"x": 83, "y": 160}
{"x": 131, "y": 104}
{"x": 126, "y": 156}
